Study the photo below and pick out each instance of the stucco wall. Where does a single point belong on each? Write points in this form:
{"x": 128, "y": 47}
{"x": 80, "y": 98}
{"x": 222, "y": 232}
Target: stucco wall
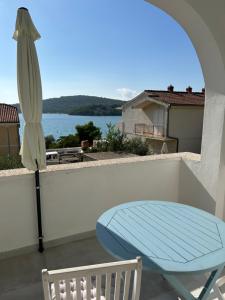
{"x": 154, "y": 114}
{"x": 191, "y": 191}
{"x": 9, "y": 139}
{"x": 185, "y": 123}
{"x": 132, "y": 116}
{"x": 73, "y": 199}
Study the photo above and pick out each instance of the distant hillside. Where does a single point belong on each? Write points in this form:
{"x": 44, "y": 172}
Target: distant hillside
{"x": 97, "y": 110}
{"x": 82, "y": 105}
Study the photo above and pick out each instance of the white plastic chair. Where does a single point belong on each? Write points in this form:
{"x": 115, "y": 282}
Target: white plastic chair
{"x": 100, "y": 282}
{"x": 217, "y": 292}
{"x": 218, "y": 287}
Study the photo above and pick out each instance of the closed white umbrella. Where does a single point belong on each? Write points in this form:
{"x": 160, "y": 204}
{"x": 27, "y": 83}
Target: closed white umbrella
{"x": 164, "y": 149}
{"x": 30, "y": 97}
{"x": 29, "y": 91}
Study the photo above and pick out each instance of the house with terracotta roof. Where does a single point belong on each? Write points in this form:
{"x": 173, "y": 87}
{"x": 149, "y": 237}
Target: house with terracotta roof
{"x": 9, "y": 130}
{"x": 166, "y": 116}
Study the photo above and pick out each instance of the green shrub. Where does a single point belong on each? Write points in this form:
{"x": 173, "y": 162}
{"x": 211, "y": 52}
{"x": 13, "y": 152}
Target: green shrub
{"x": 88, "y": 132}
{"x": 68, "y": 141}
{"x": 84, "y": 132}
{"x": 136, "y": 146}
{"x": 117, "y": 142}
{"x": 10, "y": 162}
{"x": 102, "y": 146}
{"x": 115, "y": 139}
{"x": 49, "y": 140}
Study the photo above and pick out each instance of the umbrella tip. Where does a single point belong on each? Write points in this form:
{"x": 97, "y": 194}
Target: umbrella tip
{"x": 23, "y": 8}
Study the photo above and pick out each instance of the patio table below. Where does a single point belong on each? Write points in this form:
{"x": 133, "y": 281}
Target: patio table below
{"x": 171, "y": 238}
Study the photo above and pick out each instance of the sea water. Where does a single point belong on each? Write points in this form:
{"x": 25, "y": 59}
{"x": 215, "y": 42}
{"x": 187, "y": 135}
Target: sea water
{"x": 62, "y": 124}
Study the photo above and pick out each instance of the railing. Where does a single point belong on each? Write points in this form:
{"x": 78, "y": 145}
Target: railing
{"x": 145, "y": 129}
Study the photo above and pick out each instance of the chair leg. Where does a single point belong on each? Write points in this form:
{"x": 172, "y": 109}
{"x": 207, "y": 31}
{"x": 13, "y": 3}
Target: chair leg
{"x": 210, "y": 283}
{"x": 218, "y": 292}
{"x": 215, "y": 293}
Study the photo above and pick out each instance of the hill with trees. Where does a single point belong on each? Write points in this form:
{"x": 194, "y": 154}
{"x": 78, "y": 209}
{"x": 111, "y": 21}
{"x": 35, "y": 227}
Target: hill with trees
{"x": 82, "y": 105}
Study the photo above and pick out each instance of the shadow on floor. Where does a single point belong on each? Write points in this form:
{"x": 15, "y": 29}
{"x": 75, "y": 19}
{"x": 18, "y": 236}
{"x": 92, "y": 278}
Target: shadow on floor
{"x": 20, "y": 277}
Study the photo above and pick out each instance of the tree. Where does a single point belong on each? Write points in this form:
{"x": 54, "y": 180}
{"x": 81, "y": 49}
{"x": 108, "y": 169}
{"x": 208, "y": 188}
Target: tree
{"x": 68, "y": 141}
{"x": 49, "y": 140}
{"x": 88, "y": 132}
{"x": 114, "y": 138}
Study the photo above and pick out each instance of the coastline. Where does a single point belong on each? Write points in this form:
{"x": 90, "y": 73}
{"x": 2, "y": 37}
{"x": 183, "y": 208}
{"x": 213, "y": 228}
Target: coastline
{"x": 64, "y": 124}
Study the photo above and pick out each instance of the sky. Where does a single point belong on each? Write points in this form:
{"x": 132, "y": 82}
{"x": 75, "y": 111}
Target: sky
{"x": 105, "y": 48}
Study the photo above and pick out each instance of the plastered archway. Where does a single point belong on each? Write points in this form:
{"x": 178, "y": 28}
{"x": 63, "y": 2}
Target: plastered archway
{"x": 204, "y": 22}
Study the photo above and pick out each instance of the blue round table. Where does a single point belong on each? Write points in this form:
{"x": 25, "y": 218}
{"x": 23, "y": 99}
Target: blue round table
{"x": 171, "y": 238}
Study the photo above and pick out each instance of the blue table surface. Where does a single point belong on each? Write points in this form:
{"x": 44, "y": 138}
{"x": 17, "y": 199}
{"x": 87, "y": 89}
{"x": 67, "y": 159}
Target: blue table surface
{"x": 170, "y": 237}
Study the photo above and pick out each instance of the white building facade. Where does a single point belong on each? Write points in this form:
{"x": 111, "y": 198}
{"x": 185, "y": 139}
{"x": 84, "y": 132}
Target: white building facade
{"x": 174, "y": 118}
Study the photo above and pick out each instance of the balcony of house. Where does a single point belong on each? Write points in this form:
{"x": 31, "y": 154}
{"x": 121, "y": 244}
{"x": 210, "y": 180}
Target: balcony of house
{"x": 155, "y": 137}
{"x": 73, "y": 198}
{"x": 156, "y": 131}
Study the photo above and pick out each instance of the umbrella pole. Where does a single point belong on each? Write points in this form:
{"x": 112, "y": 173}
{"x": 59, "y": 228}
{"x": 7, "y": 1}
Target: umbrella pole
{"x": 38, "y": 200}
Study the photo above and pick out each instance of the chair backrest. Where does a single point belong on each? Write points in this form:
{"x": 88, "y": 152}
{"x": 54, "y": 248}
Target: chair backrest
{"x": 116, "y": 280}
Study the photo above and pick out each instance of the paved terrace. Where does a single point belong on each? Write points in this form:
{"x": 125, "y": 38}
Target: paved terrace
{"x": 20, "y": 277}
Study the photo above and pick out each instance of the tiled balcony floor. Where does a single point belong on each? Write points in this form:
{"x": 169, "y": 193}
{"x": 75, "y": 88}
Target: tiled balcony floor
{"x": 20, "y": 277}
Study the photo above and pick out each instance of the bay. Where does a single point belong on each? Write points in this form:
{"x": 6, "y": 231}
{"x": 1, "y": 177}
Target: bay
{"x": 62, "y": 124}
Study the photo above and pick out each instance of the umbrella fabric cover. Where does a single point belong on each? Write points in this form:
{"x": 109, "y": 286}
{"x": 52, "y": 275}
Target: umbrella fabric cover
{"x": 164, "y": 149}
{"x": 30, "y": 92}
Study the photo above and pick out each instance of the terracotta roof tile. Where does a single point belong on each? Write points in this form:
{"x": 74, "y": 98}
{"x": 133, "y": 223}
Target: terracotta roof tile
{"x": 178, "y": 98}
{"x": 8, "y": 114}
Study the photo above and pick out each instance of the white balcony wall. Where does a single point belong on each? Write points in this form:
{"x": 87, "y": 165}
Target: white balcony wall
{"x": 191, "y": 190}
{"x": 73, "y": 199}
{"x": 185, "y": 123}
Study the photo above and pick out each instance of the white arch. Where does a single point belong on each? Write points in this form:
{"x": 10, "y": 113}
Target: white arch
{"x": 193, "y": 15}
{"x": 204, "y": 22}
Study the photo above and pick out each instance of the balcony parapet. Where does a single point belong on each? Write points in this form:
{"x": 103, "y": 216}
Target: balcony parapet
{"x": 75, "y": 195}
{"x": 99, "y": 163}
